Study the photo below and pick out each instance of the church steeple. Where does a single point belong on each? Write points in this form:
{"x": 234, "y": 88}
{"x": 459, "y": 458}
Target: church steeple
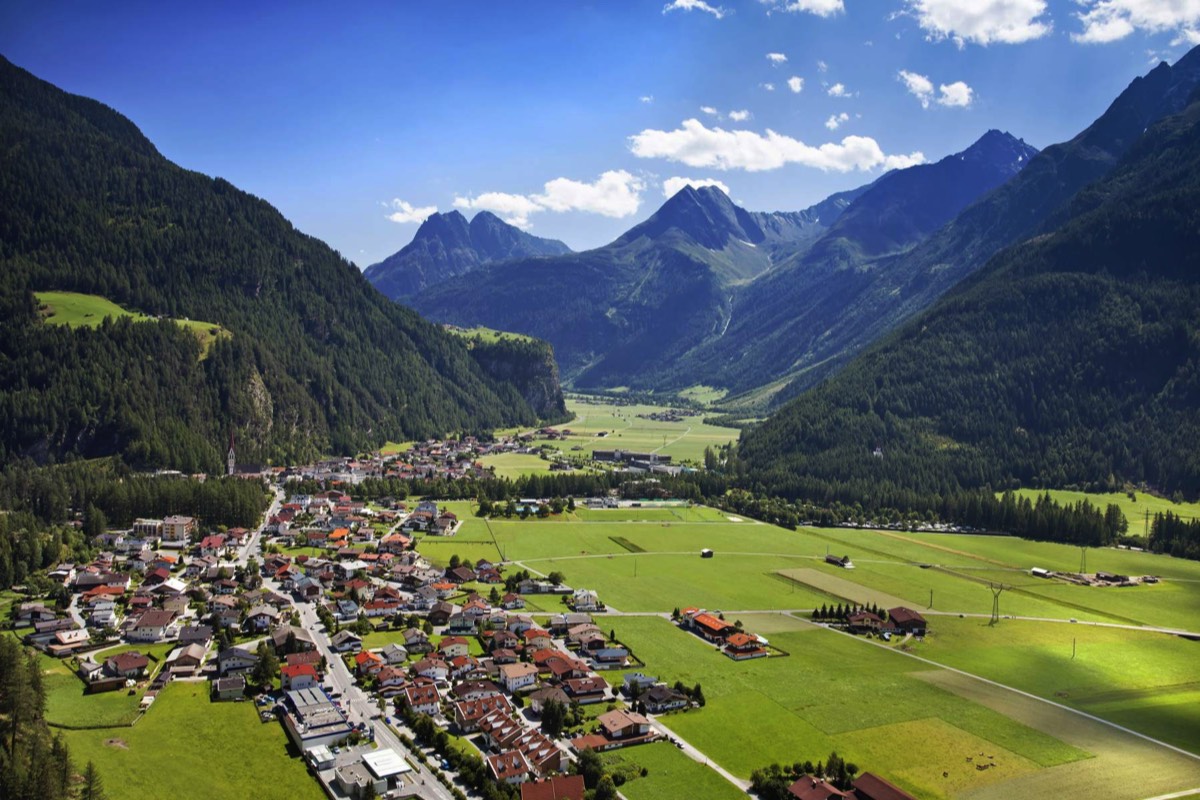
{"x": 231, "y": 459}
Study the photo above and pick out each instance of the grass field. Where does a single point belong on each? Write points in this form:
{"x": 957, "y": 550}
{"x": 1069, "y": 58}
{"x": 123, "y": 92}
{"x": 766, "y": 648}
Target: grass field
{"x": 75, "y": 310}
{"x": 671, "y": 775}
{"x": 221, "y": 747}
{"x": 1134, "y": 510}
{"x": 514, "y": 465}
{"x": 853, "y": 698}
{"x": 486, "y": 334}
{"x": 1145, "y": 681}
{"x": 66, "y": 704}
{"x": 625, "y": 429}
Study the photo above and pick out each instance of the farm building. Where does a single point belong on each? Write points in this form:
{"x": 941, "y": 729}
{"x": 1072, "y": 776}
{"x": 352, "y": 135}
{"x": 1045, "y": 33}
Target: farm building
{"x": 905, "y": 620}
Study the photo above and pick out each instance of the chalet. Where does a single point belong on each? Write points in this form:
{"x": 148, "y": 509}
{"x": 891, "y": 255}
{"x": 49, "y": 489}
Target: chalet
{"x": 394, "y": 654}
{"x": 556, "y": 787}
{"x": 584, "y": 600}
{"x": 870, "y": 786}
{"x": 441, "y": 612}
{"x": 127, "y": 665}
{"x": 541, "y": 753}
{"x": 30, "y": 613}
{"x": 184, "y": 660}
{"x": 710, "y": 627}
{"x": 660, "y": 699}
{"x": 292, "y": 639}
{"x": 519, "y": 623}
{"x": 586, "y": 690}
{"x": 435, "y": 669}
{"x": 416, "y": 641}
{"x": 537, "y": 638}
{"x": 196, "y": 634}
{"x": 609, "y": 658}
{"x": 810, "y": 787}
{"x": 475, "y": 690}
{"x": 423, "y": 698}
{"x": 346, "y": 641}
{"x": 368, "y": 663}
{"x": 151, "y": 626}
{"x": 490, "y": 575}
{"x": 392, "y": 680}
{"x": 512, "y": 601}
{"x": 503, "y": 655}
{"x": 381, "y": 608}
{"x": 452, "y": 646}
{"x": 743, "y": 647}
{"x": 461, "y": 624}
{"x": 260, "y": 618}
{"x": 467, "y": 713}
{"x": 231, "y": 688}
{"x": 297, "y": 676}
{"x": 904, "y": 620}
{"x": 235, "y": 660}
{"x": 517, "y": 676}
{"x": 547, "y": 694}
{"x": 510, "y": 767}
{"x": 864, "y": 622}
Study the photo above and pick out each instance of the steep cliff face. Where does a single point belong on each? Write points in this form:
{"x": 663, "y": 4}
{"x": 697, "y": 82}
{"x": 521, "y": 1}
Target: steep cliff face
{"x": 529, "y": 366}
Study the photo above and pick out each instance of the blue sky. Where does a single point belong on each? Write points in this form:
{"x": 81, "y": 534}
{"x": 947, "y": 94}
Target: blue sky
{"x": 569, "y": 118}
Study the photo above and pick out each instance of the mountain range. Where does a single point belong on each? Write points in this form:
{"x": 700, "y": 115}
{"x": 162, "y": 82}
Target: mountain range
{"x": 446, "y": 246}
{"x": 315, "y": 360}
{"x": 1071, "y": 359}
{"x": 764, "y": 306}
{"x": 668, "y": 304}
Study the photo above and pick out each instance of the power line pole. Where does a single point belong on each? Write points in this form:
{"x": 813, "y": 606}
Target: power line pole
{"x": 1083, "y": 560}
{"x": 996, "y": 588}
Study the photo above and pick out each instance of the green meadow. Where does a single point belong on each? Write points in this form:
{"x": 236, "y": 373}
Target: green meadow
{"x": 1134, "y": 509}
{"x": 75, "y": 310}
{"x": 671, "y": 775}
{"x": 185, "y": 742}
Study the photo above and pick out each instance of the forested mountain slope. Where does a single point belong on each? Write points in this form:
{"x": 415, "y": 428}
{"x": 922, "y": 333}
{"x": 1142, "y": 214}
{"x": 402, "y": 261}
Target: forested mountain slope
{"x": 1071, "y": 358}
{"x": 317, "y": 360}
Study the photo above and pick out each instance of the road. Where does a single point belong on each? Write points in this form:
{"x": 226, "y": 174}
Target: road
{"x": 253, "y": 545}
{"x": 361, "y": 707}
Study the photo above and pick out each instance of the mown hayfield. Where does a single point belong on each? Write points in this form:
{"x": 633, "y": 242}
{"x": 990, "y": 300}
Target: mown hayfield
{"x": 658, "y": 582}
{"x": 186, "y": 742}
{"x": 671, "y": 775}
{"x": 626, "y": 429}
{"x": 1123, "y": 766}
{"x": 514, "y": 465}
{"x": 831, "y": 693}
{"x": 1144, "y": 680}
{"x": 66, "y": 704}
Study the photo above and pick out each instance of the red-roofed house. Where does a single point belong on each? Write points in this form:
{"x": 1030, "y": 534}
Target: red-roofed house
{"x": 297, "y": 676}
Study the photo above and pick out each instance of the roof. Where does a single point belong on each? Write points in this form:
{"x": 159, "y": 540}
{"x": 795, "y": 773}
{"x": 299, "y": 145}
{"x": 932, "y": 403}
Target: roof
{"x": 902, "y": 614}
{"x": 385, "y": 762}
{"x": 155, "y": 619}
{"x": 519, "y": 670}
{"x": 813, "y": 788}
{"x": 559, "y": 787}
{"x": 870, "y": 786}
{"x": 621, "y": 719}
{"x": 293, "y": 671}
{"x": 710, "y": 622}
{"x": 124, "y": 662}
{"x": 508, "y": 765}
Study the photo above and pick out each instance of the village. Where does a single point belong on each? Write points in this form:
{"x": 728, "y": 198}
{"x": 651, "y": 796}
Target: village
{"x": 284, "y": 616}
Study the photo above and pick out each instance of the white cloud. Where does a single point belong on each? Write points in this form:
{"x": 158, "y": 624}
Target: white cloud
{"x": 647, "y": 99}
{"x": 822, "y": 8}
{"x": 512, "y": 208}
{"x": 671, "y": 186}
{"x": 952, "y": 95}
{"x": 715, "y": 148}
{"x": 406, "y": 212}
{"x": 984, "y": 21}
{"x": 615, "y": 193}
{"x": 770, "y": 87}
{"x": 918, "y": 86}
{"x": 822, "y": 66}
{"x": 837, "y": 90}
{"x": 776, "y": 59}
{"x": 796, "y": 84}
{"x": 956, "y": 95}
{"x": 712, "y": 112}
{"x": 695, "y": 5}
{"x": 1110, "y": 20}
{"x": 835, "y": 120}
{"x": 739, "y": 116}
